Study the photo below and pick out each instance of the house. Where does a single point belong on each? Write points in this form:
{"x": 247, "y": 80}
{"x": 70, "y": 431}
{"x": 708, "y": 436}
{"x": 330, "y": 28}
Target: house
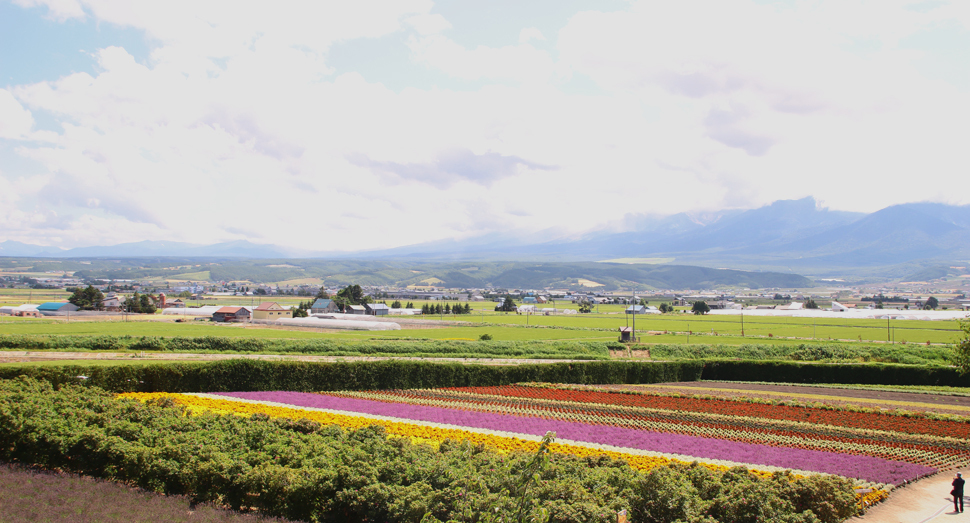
{"x": 112, "y": 303}
{"x": 377, "y": 309}
{"x": 231, "y": 314}
{"x": 271, "y": 310}
{"x": 636, "y": 309}
{"x": 54, "y": 307}
{"x": 355, "y": 309}
{"x": 530, "y": 299}
{"x": 324, "y": 306}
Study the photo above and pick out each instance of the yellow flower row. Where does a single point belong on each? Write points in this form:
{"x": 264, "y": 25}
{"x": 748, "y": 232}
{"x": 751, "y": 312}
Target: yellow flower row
{"x": 407, "y": 430}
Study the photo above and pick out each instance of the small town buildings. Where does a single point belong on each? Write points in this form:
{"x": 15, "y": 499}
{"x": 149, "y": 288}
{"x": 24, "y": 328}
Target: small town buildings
{"x": 231, "y": 314}
{"x": 355, "y": 309}
{"x": 271, "y": 310}
{"x": 377, "y": 309}
{"x": 323, "y": 306}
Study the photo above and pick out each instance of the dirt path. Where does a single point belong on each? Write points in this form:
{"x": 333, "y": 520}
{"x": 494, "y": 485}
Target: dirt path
{"x": 28, "y": 356}
{"x": 925, "y": 501}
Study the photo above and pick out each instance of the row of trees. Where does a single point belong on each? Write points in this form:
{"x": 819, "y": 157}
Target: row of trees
{"x": 447, "y": 309}
{"x": 92, "y": 299}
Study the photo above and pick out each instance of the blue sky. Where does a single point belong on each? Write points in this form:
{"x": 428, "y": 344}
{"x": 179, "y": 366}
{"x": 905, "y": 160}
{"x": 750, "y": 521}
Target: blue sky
{"x": 410, "y": 120}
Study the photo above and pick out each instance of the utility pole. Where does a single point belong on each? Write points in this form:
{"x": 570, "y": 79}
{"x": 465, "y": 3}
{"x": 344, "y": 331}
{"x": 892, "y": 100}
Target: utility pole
{"x": 634, "y": 333}
{"x": 742, "y": 323}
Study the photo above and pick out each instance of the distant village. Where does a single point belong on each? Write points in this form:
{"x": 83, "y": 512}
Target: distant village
{"x": 254, "y": 302}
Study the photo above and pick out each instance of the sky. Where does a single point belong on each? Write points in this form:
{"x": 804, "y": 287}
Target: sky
{"x": 343, "y": 126}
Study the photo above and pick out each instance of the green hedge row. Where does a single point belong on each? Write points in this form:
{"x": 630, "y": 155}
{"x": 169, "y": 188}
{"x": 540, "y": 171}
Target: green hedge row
{"x": 829, "y": 352}
{"x": 571, "y": 349}
{"x": 869, "y": 374}
{"x": 244, "y": 374}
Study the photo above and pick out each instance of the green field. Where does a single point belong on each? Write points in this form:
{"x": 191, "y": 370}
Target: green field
{"x": 603, "y": 327}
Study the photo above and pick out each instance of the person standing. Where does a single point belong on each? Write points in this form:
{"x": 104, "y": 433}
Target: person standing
{"x": 958, "y": 492}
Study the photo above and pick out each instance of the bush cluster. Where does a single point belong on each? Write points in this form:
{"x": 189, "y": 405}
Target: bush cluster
{"x": 306, "y": 471}
{"x": 695, "y": 494}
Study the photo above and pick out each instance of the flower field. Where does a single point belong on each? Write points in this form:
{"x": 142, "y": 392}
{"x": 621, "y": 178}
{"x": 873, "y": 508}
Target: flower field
{"x": 877, "y": 450}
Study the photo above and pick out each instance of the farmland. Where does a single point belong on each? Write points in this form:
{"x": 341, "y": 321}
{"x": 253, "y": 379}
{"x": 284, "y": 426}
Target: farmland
{"x": 668, "y": 328}
{"x": 830, "y": 451}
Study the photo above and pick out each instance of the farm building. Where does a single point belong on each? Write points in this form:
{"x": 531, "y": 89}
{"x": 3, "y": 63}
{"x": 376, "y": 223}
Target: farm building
{"x": 377, "y": 309}
{"x": 271, "y": 310}
{"x": 355, "y": 309}
{"x": 626, "y": 335}
{"x": 204, "y": 311}
{"x": 323, "y": 306}
{"x": 55, "y": 307}
{"x": 636, "y": 309}
{"x": 231, "y": 314}
{"x": 20, "y": 310}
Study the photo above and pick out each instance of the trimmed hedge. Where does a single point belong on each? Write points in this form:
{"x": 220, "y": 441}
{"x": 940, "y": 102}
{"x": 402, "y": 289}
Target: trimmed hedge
{"x": 245, "y": 375}
{"x": 910, "y": 354}
{"x": 869, "y": 374}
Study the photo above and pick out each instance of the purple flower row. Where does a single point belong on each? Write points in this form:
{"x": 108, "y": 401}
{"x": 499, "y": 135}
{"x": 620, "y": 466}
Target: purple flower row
{"x": 854, "y": 466}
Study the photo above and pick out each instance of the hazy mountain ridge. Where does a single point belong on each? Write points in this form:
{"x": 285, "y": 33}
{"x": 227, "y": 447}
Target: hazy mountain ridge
{"x": 785, "y": 234}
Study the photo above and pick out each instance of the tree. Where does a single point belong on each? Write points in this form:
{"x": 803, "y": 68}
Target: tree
{"x": 931, "y": 303}
{"x": 962, "y": 348}
{"x": 89, "y": 299}
{"x": 700, "y": 307}
{"x": 447, "y": 309}
{"x": 133, "y": 303}
{"x": 303, "y": 309}
{"x": 585, "y": 306}
{"x": 147, "y": 305}
{"x": 322, "y": 294}
{"x": 810, "y": 304}
{"x": 778, "y": 297}
{"x": 396, "y": 305}
{"x": 666, "y": 307}
{"x": 506, "y": 306}
{"x": 350, "y": 295}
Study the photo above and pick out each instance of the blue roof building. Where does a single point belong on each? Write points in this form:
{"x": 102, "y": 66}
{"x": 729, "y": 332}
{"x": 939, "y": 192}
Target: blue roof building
{"x": 57, "y": 306}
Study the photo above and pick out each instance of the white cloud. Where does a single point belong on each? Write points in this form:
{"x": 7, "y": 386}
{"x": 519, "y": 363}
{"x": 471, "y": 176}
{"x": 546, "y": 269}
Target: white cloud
{"x": 530, "y": 33}
{"x": 427, "y": 24}
{"x": 60, "y": 10}
{"x": 15, "y": 121}
{"x": 238, "y": 127}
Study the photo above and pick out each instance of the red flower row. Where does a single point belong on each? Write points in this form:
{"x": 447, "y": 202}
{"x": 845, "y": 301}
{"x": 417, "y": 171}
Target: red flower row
{"x": 861, "y": 420}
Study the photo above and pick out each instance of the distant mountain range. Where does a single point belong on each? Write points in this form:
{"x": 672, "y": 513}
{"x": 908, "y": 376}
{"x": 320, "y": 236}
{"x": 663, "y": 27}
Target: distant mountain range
{"x": 790, "y": 235}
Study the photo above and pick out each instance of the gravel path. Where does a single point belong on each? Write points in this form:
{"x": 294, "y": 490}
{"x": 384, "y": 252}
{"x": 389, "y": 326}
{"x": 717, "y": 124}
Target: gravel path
{"x": 28, "y": 356}
{"x": 926, "y": 501}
